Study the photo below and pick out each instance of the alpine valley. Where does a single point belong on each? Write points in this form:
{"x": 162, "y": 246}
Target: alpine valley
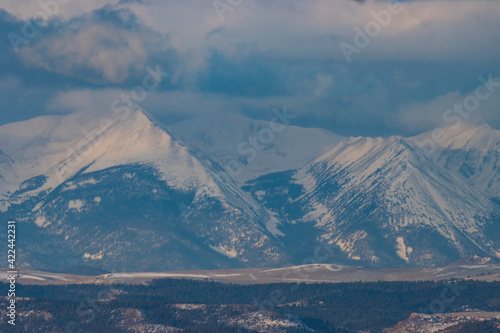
{"x": 123, "y": 192}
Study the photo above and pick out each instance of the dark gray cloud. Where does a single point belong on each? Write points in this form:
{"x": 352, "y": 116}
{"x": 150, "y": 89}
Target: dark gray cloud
{"x": 262, "y": 55}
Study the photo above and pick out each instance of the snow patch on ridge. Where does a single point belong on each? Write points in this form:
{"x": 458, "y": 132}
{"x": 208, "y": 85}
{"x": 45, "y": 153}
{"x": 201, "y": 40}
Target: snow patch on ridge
{"x": 76, "y": 204}
{"x": 272, "y": 224}
{"x": 97, "y": 256}
{"x": 41, "y": 221}
{"x": 401, "y": 250}
{"x": 224, "y": 250}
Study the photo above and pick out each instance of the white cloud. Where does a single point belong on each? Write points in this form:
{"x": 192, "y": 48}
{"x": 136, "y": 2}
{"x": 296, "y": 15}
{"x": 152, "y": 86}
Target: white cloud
{"x": 312, "y": 30}
{"x": 66, "y": 9}
{"x": 419, "y": 117}
{"x": 423, "y": 30}
{"x": 84, "y": 100}
{"x": 107, "y": 52}
{"x": 287, "y": 48}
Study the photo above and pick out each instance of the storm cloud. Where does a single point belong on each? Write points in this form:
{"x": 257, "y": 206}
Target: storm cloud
{"x": 371, "y": 68}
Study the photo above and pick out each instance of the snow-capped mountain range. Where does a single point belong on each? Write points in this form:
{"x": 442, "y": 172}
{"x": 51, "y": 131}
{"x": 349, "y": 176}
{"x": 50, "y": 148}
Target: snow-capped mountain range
{"x": 123, "y": 192}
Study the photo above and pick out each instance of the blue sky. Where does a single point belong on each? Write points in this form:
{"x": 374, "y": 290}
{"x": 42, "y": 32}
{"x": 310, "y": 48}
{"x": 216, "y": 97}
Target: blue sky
{"x": 248, "y": 56}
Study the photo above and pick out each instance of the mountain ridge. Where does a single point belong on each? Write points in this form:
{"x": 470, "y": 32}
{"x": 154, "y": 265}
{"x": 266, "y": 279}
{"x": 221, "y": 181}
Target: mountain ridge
{"x": 379, "y": 202}
{"x": 139, "y": 153}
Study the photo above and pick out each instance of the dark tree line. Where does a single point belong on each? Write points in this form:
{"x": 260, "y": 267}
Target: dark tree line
{"x": 324, "y": 307}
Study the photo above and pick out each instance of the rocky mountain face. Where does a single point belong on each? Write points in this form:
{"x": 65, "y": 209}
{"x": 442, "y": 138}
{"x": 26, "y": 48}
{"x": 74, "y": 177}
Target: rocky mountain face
{"x": 383, "y": 201}
{"x": 132, "y": 198}
{"x": 124, "y": 193}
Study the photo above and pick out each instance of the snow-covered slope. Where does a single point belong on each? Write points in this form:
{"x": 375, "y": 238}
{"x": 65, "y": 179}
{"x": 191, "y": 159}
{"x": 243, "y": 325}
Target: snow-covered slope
{"x": 383, "y": 201}
{"x": 470, "y": 151}
{"x": 58, "y": 147}
{"x": 366, "y": 186}
{"x": 69, "y": 170}
{"x": 249, "y": 148}
{"x": 122, "y": 192}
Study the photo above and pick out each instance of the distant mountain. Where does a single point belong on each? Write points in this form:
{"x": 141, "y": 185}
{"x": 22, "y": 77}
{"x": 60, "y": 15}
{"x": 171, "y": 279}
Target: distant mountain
{"x": 249, "y": 148}
{"x": 129, "y": 196}
{"x": 470, "y": 151}
{"x": 383, "y": 202}
{"x": 124, "y": 193}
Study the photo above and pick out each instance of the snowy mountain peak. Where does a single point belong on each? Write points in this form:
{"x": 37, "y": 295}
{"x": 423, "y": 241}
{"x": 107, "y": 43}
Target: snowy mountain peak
{"x": 61, "y": 147}
{"x": 64, "y": 145}
{"x": 78, "y": 169}
{"x": 468, "y": 136}
{"x": 469, "y": 151}
{"x": 367, "y": 186}
{"x": 359, "y": 149}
